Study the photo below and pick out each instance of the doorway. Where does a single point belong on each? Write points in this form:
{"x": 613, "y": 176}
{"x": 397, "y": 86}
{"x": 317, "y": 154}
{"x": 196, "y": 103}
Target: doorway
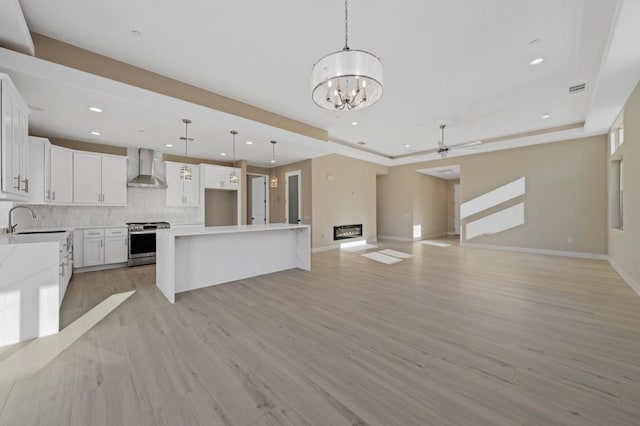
{"x": 258, "y": 199}
{"x": 456, "y": 209}
{"x": 293, "y": 197}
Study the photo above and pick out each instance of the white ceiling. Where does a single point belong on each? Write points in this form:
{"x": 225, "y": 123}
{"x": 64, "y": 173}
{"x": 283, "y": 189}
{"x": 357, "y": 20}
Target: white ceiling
{"x": 442, "y": 62}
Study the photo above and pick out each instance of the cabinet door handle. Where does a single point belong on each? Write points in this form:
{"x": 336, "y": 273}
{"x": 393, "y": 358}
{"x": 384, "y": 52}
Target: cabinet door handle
{"x": 17, "y": 179}
{"x": 48, "y": 194}
{"x": 54, "y": 195}
{"x": 99, "y": 198}
{"x": 26, "y": 185}
{"x": 101, "y": 241}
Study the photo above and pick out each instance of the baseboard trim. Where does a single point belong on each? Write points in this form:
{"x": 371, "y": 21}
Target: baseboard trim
{"x": 337, "y": 246}
{"x": 625, "y": 276}
{"x": 99, "y": 267}
{"x": 392, "y": 238}
{"x": 561, "y": 253}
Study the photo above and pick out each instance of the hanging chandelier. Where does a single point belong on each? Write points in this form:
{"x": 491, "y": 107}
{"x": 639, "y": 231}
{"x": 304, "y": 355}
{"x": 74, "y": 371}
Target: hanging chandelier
{"x": 185, "y": 170}
{"x": 350, "y": 79}
{"x": 273, "y": 179}
{"x": 233, "y": 176}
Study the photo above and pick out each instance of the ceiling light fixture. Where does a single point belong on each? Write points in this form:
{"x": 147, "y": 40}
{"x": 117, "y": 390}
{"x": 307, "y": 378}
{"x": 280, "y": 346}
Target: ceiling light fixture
{"x": 95, "y": 109}
{"x": 233, "y": 176}
{"x": 249, "y": 143}
{"x": 407, "y": 145}
{"x": 350, "y": 79}
{"x": 536, "y": 61}
{"x": 185, "y": 171}
{"x": 169, "y": 145}
{"x": 354, "y": 123}
{"x": 224, "y": 154}
{"x": 94, "y": 133}
{"x": 545, "y": 116}
{"x": 273, "y": 179}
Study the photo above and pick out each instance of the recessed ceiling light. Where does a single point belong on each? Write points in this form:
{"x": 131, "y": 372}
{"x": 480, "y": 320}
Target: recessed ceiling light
{"x": 354, "y": 123}
{"x": 94, "y": 133}
{"x": 272, "y": 161}
{"x": 95, "y": 109}
{"x": 545, "y": 116}
{"x": 140, "y": 131}
{"x": 224, "y": 154}
{"x": 534, "y": 41}
{"x": 169, "y": 145}
{"x": 407, "y": 145}
{"x": 536, "y": 61}
{"x": 249, "y": 143}
{"x": 136, "y": 33}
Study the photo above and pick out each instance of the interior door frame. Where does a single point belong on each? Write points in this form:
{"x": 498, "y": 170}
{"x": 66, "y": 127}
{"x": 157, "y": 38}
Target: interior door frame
{"x": 286, "y": 194}
{"x": 250, "y": 177}
{"x": 456, "y": 209}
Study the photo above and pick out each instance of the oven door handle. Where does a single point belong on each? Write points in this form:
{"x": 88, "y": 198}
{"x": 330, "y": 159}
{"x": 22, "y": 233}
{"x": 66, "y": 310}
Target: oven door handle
{"x": 152, "y": 231}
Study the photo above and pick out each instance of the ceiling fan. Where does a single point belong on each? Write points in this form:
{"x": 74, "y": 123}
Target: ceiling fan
{"x": 443, "y": 150}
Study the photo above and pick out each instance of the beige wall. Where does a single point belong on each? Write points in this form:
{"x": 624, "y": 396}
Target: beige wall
{"x": 220, "y": 207}
{"x": 451, "y": 205}
{"x": 276, "y": 195}
{"x": 564, "y": 205}
{"x": 429, "y": 206}
{"x": 344, "y": 193}
{"x": 624, "y": 246}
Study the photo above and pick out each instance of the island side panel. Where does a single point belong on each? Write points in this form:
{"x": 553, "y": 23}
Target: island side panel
{"x": 303, "y": 247}
{"x": 210, "y": 259}
{"x": 166, "y": 265}
{"x": 29, "y": 295}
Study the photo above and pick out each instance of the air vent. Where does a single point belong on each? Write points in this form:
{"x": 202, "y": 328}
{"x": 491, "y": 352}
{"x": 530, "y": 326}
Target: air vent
{"x": 577, "y": 88}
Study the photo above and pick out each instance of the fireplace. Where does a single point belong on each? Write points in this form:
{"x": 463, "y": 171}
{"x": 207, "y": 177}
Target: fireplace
{"x": 344, "y": 232}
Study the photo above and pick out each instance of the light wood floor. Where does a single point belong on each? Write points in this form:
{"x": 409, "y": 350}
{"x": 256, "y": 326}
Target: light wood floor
{"x": 452, "y": 336}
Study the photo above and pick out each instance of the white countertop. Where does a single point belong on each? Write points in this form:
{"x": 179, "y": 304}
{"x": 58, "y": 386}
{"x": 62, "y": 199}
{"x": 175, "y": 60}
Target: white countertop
{"x": 209, "y": 230}
{"x": 13, "y": 239}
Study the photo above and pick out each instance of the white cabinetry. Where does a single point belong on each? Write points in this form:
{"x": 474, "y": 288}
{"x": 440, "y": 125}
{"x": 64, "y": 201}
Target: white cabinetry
{"x": 219, "y": 177}
{"x": 59, "y": 188}
{"x": 104, "y": 246}
{"x": 180, "y": 192}
{"x": 93, "y": 250}
{"x": 116, "y": 245}
{"x": 99, "y": 179}
{"x": 39, "y": 170}
{"x": 14, "y": 164}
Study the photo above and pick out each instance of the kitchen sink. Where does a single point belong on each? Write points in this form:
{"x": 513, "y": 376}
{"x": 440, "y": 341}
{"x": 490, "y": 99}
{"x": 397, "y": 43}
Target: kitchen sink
{"x": 40, "y": 232}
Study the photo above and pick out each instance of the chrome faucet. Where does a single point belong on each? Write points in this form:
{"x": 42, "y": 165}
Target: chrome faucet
{"x": 13, "y": 227}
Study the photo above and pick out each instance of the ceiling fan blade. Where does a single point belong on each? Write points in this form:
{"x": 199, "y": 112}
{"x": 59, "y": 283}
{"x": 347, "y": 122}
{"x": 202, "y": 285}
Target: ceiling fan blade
{"x": 466, "y": 150}
{"x": 474, "y": 143}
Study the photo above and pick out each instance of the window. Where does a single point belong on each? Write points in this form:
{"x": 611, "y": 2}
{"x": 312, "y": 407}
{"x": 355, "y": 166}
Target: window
{"x": 616, "y": 136}
{"x": 617, "y": 194}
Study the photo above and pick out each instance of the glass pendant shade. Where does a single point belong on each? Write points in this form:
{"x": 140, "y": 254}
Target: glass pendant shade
{"x": 350, "y": 79}
{"x": 185, "y": 172}
{"x": 233, "y": 176}
{"x": 273, "y": 181}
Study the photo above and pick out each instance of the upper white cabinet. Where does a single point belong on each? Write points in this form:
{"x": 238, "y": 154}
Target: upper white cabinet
{"x": 39, "y": 151}
{"x": 99, "y": 179}
{"x": 219, "y": 177}
{"x": 180, "y": 192}
{"x": 14, "y": 164}
{"x": 59, "y": 187}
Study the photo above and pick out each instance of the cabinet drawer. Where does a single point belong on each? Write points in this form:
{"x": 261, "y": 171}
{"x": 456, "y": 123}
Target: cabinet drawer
{"x": 115, "y": 232}
{"x": 93, "y": 233}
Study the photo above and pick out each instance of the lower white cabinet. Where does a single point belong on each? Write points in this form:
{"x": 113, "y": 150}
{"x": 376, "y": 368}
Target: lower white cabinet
{"x": 116, "y": 246}
{"x": 93, "y": 250}
{"x": 104, "y": 246}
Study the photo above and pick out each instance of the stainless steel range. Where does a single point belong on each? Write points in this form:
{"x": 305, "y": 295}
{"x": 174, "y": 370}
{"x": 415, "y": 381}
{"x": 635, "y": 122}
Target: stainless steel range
{"x": 142, "y": 242}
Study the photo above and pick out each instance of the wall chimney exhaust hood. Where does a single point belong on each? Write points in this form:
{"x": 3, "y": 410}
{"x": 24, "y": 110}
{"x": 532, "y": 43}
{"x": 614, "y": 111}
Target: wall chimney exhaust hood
{"x": 146, "y": 177}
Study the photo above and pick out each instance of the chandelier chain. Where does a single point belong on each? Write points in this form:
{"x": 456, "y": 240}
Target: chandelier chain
{"x": 346, "y": 26}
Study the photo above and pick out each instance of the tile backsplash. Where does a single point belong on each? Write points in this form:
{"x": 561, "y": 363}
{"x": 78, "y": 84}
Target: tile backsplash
{"x": 142, "y": 205}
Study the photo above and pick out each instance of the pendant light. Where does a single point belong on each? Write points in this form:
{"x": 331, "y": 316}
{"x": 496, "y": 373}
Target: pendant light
{"x": 273, "y": 179}
{"x": 185, "y": 170}
{"x": 350, "y": 79}
{"x": 233, "y": 176}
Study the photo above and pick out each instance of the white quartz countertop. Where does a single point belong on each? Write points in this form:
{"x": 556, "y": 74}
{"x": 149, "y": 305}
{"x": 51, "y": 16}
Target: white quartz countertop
{"x": 13, "y": 239}
{"x": 212, "y": 230}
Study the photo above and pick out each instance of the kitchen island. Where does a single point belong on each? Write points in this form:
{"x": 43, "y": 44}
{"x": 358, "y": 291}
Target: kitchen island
{"x": 197, "y": 257}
